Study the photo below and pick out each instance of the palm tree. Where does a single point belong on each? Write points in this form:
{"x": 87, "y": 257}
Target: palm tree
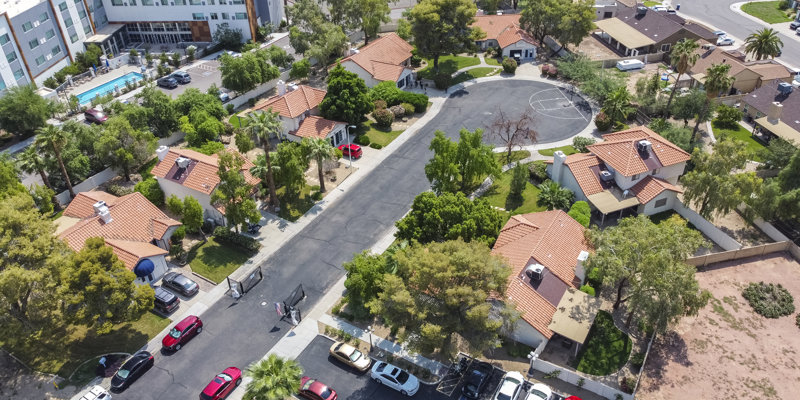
{"x": 274, "y": 378}
{"x": 553, "y": 196}
{"x": 618, "y": 105}
{"x": 53, "y": 139}
{"x": 31, "y": 162}
{"x": 321, "y": 151}
{"x": 764, "y": 43}
{"x": 685, "y": 54}
{"x": 265, "y": 125}
{"x": 717, "y": 82}
{"x": 260, "y": 168}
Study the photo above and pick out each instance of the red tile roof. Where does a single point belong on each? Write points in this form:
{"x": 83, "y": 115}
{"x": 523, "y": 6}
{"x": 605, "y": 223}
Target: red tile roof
{"x": 618, "y": 150}
{"x": 648, "y": 188}
{"x": 514, "y": 34}
{"x": 580, "y": 165}
{"x": 316, "y": 127}
{"x": 494, "y": 25}
{"x": 202, "y": 177}
{"x": 294, "y": 103}
{"x": 82, "y": 206}
{"x": 384, "y": 57}
{"x": 550, "y": 238}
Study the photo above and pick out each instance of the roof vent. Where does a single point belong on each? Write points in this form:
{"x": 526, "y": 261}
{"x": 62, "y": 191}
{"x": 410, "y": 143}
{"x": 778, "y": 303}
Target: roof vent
{"x": 625, "y": 194}
{"x": 182, "y": 162}
{"x": 785, "y": 88}
{"x": 641, "y": 10}
{"x": 534, "y": 272}
{"x": 606, "y": 176}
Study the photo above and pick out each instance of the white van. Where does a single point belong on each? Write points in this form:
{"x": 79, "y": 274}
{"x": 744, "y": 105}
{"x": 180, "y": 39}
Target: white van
{"x": 627, "y": 65}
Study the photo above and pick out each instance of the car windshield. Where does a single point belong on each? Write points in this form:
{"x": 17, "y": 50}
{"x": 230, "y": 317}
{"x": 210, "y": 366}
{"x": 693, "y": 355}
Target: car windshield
{"x": 402, "y": 377}
{"x": 174, "y": 332}
{"x": 225, "y": 377}
{"x": 538, "y": 394}
{"x": 99, "y": 114}
{"x": 326, "y": 392}
{"x": 355, "y": 356}
{"x": 471, "y": 387}
{"x": 123, "y": 373}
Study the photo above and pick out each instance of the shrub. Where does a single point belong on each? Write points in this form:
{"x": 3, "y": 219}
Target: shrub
{"x": 338, "y": 154}
{"x": 178, "y": 235}
{"x": 797, "y": 320}
{"x": 149, "y": 188}
{"x": 602, "y": 122}
{"x": 552, "y": 72}
{"x": 398, "y": 111}
{"x": 418, "y": 100}
{"x": 588, "y": 290}
{"x": 783, "y": 5}
{"x": 316, "y": 196}
{"x": 728, "y": 117}
{"x": 175, "y": 205}
{"x": 545, "y": 68}
{"x": 552, "y": 374}
{"x": 620, "y": 126}
{"x": 593, "y": 278}
{"x": 392, "y": 95}
{"x": 769, "y": 300}
{"x": 224, "y": 235}
{"x": 580, "y": 143}
{"x": 118, "y": 190}
{"x": 538, "y": 171}
{"x": 519, "y": 180}
{"x": 362, "y": 140}
{"x": 408, "y": 108}
{"x": 627, "y": 384}
{"x": 51, "y": 83}
{"x": 375, "y": 146}
{"x": 442, "y": 81}
{"x": 383, "y": 117}
{"x": 251, "y": 102}
{"x": 581, "y": 212}
{"x": 229, "y": 108}
{"x": 637, "y": 360}
{"x": 379, "y": 104}
{"x": 509, "y": 65}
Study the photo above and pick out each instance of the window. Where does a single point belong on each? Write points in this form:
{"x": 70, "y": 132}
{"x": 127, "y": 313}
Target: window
{"x": 34, "y": 43}
{"x": 87, "y": 28}
{"x": 194, "y": 2}
{"x": 11, "y": 56}
{"x": 78, "y": 1}
{"x": 198, "y": 16}
{"x": 56, "y": 50}
{"x": 4, "y": 39}
{"x": 44, "y": 17}
{"x": 62, "y": 6}
{"x": 49, "y": 34}
{"x": 238, "y": 1}
{"x": 73, "y": 37}
{"x": 103, "y": 19}
{"x": 2, "y": 85}
{"x": 180, "y": 2}
{"x": 18, "y": 74}
{"x": 225, "y": 16}
{"x": 214, "y": 16}
{"x": 665, "y": 47}
{"x": 68, "y": 22}
{"x": 39, "y": 60}
{"x": 660, "y": 203}
{"x": 147, "y": 2}
{"x": 133, "y": 2}
{"x": 81, "y": 14}
{"x": 116, "y": 2}
{"x": 241, "y": 16}
{"x": 635, "y": 177}
{"x": 27, "y": 26}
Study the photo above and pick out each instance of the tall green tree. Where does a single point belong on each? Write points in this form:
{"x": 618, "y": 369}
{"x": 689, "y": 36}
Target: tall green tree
{"x": 450, "y": 216}
{"x": 123, "y": 147}
{"x": 691, "y": 105}
{"x": 319, "y": 150}
{"x": 307, "y": 15}
{"x": 713, "y": 186}
{"x": 30, "y": 162}
{"x": 244, "y": 73}
{"x": 567, "y": 21}
{"x": 192, "y": 214}
{"x": 162, "y": 116}
{"x": 440, "y": 292}
{"x": 763, "y": 43}
{"x": 9, "y": 177}
{"x": 193, "y": 100}
{"x": 553, "y": 196}
{"x": 99, "y": 291}
{"x": 229, "y": 38}
{"x": 618, "y": 105}
{"x": 265, "y": 125}
{"x": 233, "y": 192}
{"x": 23, "y": 111}
{"x": 717, "y": 82}
{"x": 52, "y": 140}
{"x": 576, "y": 22}
{"x": 291, "y": 164}
{"x": 459, "y": 166}
{"x": 347, "y": 98}
{"x": 329, "y": 44}
{"x": 364, "y": 276}
{"x": 274, "y": 378}
{"x": 684, "y": 55}
{"x": 368, "y": 15}
{"x": 443, "y": 27}
{"x": 299, "y": 40}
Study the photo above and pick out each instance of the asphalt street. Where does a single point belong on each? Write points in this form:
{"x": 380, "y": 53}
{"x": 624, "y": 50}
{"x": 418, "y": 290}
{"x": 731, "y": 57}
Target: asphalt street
{"x": 719, "y": 14}
{"x": 236, "y": 333}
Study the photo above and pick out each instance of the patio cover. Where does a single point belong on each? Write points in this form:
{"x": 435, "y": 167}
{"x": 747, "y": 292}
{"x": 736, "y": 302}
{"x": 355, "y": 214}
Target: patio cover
{"x": 606, "y": 202}
{"x": 624, "y": 33}
{"x": 780, "y": 129}
{"x": 104, "y": 33}
{"x": 575, "y": 315}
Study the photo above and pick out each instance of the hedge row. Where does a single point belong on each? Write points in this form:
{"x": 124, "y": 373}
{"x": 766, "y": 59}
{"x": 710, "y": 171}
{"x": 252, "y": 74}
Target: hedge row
{"x": 388, "y": 92}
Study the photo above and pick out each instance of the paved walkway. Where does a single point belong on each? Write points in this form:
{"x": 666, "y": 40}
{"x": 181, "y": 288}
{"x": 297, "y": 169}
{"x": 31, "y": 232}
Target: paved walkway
{"x": 483, "y": 64}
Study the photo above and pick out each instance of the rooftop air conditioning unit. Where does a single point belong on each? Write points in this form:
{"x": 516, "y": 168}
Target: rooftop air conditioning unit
{"x": 534, "y": 272}
{"x": 641, "y": 10}
{"x": 606, "y": 176}
{"x": 99, "y": 206}
{"x": 182, "y": 162}
{"x": 784, "y": 88}
{"x": 644, "y": 145}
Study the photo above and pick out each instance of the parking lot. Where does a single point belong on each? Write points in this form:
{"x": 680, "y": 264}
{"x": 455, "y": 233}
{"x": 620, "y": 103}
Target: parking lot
{"x": 353, "y": 385}
{"x": 204, "y": 73}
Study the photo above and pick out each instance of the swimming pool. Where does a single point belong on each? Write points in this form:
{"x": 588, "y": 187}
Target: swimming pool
{"x": 108, "y": 87}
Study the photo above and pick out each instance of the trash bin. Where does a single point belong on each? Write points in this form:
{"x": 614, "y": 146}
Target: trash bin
{"x": 677, "y": 6}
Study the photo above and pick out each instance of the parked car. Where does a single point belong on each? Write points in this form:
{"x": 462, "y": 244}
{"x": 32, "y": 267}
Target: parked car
{"x": 539, "y": 391}
{"x": 182, "y": 77}
{"x": 180, "y": 283}
{"x": 725, "y": 41}
{"x": 477, "y": 379}
{"x": 798, "y": 31}
{"x": 131, "y": 370}
{"x": 224, "y": 97}
{"x": 394, "y": 377}
{"x": 222, "y": 384}
{"x": 350, "y": 356}
{"x": 351, "y": 150}
{"x": 182, "y": 333}
{"x": 720, "y": 33}
{"x": 166, "y": 302}
{"x": 97, "y": 393}
{"x": 95, "y": 116}
{"x": 658, "y": 8}
{"x": 795, "y": 24}
{"x": 313, "y": 389}
{"x": 168, "y": 82}
{"x": 509, "y": 387}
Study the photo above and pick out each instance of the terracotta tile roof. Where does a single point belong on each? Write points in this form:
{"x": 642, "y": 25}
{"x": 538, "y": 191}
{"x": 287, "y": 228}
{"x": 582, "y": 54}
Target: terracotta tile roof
{"x": 383, "y": 58}
{"x": 514, "y": 34}
{"x": 134, "y": 220}
{"x": 201, "y": 175}
{"x": 294, "y": 103}
{"x": 581, "y": 167}
{"x": 493, "y": 25}
{"x": 550, "y": 238}
{"x": 82, "y": 206}
{"x": 131, "y": 252}
{"x": 648, "y": 188}
{"x": 618, "y": 150}
{"x": 316, "y": 127}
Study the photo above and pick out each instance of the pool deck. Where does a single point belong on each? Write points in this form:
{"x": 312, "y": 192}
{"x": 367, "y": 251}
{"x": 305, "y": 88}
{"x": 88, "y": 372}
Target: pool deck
{"x": 101, "y": 79}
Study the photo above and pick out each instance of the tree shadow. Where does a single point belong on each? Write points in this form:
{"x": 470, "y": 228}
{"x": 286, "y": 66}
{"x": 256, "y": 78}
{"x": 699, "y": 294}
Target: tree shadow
{"x": 667, "y": 348}
{"x": 514, "y": 201}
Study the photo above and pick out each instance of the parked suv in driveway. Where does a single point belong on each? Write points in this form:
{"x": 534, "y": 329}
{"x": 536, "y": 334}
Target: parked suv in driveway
{"x": 180, "y": 283}
{"x": 166, "y": 302}
{"x": 182, "y": 77}
{"x": 795, "y": 24}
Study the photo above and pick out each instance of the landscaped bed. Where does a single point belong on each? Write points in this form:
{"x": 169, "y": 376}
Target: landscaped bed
{"x": 497, "y": 195}
{"x": 766, "y": 11}
{"x": 474, "y": 73}
{"x": 216, "y": 261}
{"x": 376, "y": 134}
{"x": 448, "y": 65}
{"x": 606, "y": 348}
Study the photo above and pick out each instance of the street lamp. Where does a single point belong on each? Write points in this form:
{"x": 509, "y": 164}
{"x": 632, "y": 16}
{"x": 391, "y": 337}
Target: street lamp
{"x": 532, "y": 356}
{"x": 350, "y": 158}
{"x": 369, "y": 331}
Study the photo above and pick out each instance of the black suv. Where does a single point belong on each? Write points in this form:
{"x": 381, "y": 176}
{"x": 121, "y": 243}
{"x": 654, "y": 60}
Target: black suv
{"x": 166, "y": 302}
{"x": 167, "y": 82}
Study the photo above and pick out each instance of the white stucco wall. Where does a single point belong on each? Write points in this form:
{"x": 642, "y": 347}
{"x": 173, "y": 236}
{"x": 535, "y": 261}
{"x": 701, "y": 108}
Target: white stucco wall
{"x": 173, "y": 188}
{"x": 525, "y": 333}
{"x": 650, "y": 207}
{"x": 351, "y": 66}
{"x": 520, "y": 45}
{"x": 484, "y": 44}
{"x": 568, "y": 181}
{"x": 161, "y": 268}
{"x": 670, "y": 174}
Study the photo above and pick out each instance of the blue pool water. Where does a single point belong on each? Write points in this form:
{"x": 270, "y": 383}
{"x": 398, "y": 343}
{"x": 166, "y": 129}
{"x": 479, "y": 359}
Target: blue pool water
{"x": 108, "y": 87}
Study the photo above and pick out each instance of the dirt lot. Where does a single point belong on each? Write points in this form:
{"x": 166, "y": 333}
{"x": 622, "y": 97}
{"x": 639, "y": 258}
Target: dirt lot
{"x": 728, "y": 351}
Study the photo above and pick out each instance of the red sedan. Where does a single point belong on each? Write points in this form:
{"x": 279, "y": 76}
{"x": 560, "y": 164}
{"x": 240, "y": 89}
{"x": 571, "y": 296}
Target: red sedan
{"x": 222, "y": 385}
{"x": 182, "y": 333}
{"x": 351, "y": 150}
{"x": 315, "y": 390}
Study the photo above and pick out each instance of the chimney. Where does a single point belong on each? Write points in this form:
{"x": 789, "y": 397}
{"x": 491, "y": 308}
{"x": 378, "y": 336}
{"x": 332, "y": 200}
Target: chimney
{"x": 580, "y": 271}
{"x": 558, "y": 165}
{"x": 775, "y": 110}
{"x": 281, "y": 87}
{"x": 101, "y": 210}
{"x": 161, "y": 152}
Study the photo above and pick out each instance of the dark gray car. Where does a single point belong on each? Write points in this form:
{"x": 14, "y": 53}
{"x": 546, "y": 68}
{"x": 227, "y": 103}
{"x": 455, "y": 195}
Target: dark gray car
{"x": 180, "y": 283}
{"x": 182, "y": 77}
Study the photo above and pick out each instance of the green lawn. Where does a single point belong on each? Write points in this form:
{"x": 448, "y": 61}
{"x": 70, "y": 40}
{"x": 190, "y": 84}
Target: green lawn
{"x": 652, "y": 3}
{"x": 740, "y": 133}
{"x": 448, "y": 65}
{"x": 568, "y": 149}
{"x": 62, "y": 350}
{"x": 516, "y": 155}
{"x": 497, "y": 195}
{"x": 493, "y": 61}
{"x": 293, "y": 207}
{"x": 145, "y": 169}
{"x": 606, "y": 349}
{"x": 766, "y": 11}
{"x": 474, "y": 73}
{"x": 377, "y": 134}
{"x": 234, "y": 120}
{"x": 216, "y": 261}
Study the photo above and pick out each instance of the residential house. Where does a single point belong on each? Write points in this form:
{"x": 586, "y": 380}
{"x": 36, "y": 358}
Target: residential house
{"x": 774, "y": 108}
{"x": 136, "y": 230}
{"x": 748, "y": 75}
{"x": 298, "y": 108}
{"x": 183, "y": 172}
{"x": 546, "y": 252}
{"x": 505, "y": 32}
{"x": 387, "y": 58}
{"x": 639, "y": 30}
{"x": 604, "y": 9}
{"x": 632, "y": 170}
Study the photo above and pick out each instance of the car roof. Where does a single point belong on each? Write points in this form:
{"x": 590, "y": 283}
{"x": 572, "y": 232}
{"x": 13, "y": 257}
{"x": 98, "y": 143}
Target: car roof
{"x": 163, "y": 294}
{"x": 186, "y": 322}
{"x": 345, "y": 348}
{"x": 177, "y": 278}
{"x": 136, "y": 358}
{"x": 182, "y": 73}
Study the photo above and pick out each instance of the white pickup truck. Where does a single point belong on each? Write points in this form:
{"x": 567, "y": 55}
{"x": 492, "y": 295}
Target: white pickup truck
{"x": 96, "y": 393}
